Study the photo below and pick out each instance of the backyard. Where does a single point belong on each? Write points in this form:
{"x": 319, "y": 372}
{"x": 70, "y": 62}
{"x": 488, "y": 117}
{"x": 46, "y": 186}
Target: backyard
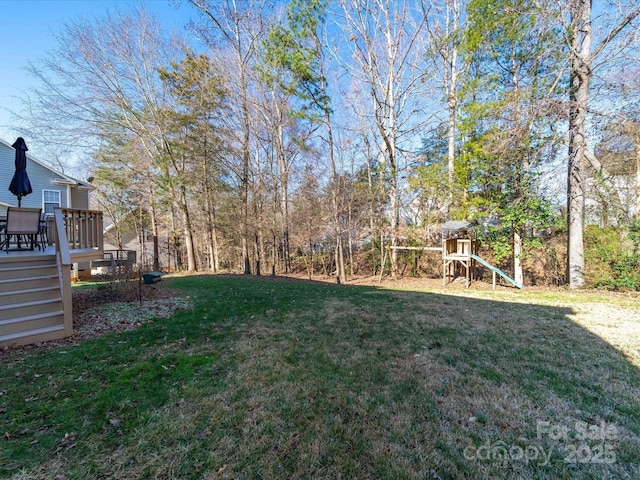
{"x": 250, "y": 377}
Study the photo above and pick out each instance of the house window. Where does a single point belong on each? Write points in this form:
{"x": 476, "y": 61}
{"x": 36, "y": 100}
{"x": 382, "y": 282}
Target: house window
{"x": 51, "y": 199}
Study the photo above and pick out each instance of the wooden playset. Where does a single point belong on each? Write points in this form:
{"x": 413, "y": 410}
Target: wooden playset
{"x": 458, "y": 246}
{"x": 460, "y": 254}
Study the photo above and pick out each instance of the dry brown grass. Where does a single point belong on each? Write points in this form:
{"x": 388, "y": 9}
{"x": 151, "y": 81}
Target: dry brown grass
{"x": 300, "y": 380}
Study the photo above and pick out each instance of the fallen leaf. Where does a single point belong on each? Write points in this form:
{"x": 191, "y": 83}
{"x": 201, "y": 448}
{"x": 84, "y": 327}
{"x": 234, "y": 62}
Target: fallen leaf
{"x": 68, "y": 440}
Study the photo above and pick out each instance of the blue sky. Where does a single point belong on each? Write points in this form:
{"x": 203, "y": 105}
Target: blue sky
{"x": 28, "y": 30}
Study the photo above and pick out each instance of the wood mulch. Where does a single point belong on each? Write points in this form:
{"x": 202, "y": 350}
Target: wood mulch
{"x": 108, "y": 308}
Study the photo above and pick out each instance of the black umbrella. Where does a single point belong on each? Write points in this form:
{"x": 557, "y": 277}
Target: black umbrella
{"x": 20, "y": 184}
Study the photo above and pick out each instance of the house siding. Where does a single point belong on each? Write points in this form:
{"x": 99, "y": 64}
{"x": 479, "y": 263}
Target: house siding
{"x": 130, "y": 241}
{"x": 41, "y": 178}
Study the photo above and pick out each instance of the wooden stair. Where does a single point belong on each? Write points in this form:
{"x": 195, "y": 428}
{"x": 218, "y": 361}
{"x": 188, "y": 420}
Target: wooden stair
{"x": 32, "y": 301}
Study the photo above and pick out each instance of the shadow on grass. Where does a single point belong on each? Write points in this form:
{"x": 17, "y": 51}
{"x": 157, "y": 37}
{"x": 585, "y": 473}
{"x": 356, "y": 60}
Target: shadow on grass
{"x": 299, "y": 379}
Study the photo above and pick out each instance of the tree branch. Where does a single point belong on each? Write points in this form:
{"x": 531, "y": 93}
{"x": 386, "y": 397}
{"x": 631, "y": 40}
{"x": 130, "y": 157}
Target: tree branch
{"x": 613, "y": 33}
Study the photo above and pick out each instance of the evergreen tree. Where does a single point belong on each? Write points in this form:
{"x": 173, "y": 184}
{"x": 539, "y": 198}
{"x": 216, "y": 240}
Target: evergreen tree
{"x": 507, "y": 131}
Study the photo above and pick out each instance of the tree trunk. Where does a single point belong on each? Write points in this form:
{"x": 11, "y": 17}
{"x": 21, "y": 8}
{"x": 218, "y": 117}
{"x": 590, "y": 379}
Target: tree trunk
{"x": 177, "y": 248}
{"x": 392, "y": 152}
{"x": 257, "y": 251}
{"x": 373, "y": 218}
{"x": 310, "y": 269}
{"x": 637, "y": 214}
{"x": 393, "y": 204}
{"x": 188, "y": 233}
{"x": 214, "y": 257}
{"x": 341, "y": 276}
{"x": 283, "y": 166}
{"x": 212, "y": 237}
{"x": 142, "y": 236}
{"x": 451, "y": 149}
{"x": 581, "y": 61}
{"x": 350, "y": 241}
{"x": 154, "y": 230}
{"x": 518, "y": 274}
{"x": 579, "y": 99}
{"x": 245, "y": 193}
{"x": 451, "y": 60}
{"x": 519, "y": 229}
{"x": 274, "y": 254}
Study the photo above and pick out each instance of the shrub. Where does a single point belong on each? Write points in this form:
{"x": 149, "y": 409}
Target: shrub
{"x": 612, "y": 257}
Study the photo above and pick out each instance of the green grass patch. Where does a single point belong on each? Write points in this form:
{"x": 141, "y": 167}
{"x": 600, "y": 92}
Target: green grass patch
{"x": 288, "y": 379}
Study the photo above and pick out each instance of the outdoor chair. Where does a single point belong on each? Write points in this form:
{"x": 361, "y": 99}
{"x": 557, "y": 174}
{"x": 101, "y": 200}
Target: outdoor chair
{"x": 3, "y": 223}
{"x": 23, "y": 224}
{"x": 43, "y": 232}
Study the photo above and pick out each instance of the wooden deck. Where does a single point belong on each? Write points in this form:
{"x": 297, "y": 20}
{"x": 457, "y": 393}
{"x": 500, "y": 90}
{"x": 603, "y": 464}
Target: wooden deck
{"x": 77, "y": 256}
{"x": 35, "y": 285}
{"x": 48, "y": 250}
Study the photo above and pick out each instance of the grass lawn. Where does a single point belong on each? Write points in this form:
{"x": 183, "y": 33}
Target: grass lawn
{"x": 290, "y": 379}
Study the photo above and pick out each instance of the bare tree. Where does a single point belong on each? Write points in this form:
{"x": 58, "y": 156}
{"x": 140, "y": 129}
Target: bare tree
{"x": 388, "y": 46}
{"x": 201, "y": 95}
{"x": 446, "y": 34}
{"x": 287, "y": 136}
{"x": 240, "y": 27}
{"x": 582, "y": 58}
{"x": 101, "y": 84}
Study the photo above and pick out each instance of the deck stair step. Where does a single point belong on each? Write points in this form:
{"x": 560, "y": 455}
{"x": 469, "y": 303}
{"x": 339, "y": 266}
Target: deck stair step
{"x": 10, "y": 274}
{"x": 28, "y": 283}
{"x": 27, "y": 308}
{"x": 31, "y": 305}
{"x": 26, "y": 279}
{"x": 27, "y": 295}
{"x": 31, "y": 290}
{"x": 29, "y": 267}
{"x": 35, "y": 335}
{"x": 28, "y": 318}
{"x": 29, "y": 323}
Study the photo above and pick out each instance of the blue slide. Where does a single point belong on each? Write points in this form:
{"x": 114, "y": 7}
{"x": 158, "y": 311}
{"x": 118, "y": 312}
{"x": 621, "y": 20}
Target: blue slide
{"x": 498, "y": 271}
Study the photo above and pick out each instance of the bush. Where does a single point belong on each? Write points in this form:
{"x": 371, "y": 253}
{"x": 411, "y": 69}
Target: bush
{"x": 612, "y": 257}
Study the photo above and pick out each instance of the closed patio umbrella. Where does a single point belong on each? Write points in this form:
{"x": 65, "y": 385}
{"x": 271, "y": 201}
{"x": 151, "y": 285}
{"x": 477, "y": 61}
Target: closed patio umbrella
{"x": 20, "y": 184}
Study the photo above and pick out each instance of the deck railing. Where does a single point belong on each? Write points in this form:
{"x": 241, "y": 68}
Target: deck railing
{"x": 77, "y": 233}
{"x": 82, "y": 228}
{"x": 63, "y": 262}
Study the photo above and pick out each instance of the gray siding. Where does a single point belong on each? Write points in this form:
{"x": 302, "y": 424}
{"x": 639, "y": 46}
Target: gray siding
{"x": 130, "y": 241}
{"x": 41, "y": 178}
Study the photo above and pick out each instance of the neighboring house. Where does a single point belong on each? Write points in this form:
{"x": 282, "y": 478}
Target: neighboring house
{"x": 615, "y": 203}
{"x": 50, "y": 188}
{"x": 130, "y": 241}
